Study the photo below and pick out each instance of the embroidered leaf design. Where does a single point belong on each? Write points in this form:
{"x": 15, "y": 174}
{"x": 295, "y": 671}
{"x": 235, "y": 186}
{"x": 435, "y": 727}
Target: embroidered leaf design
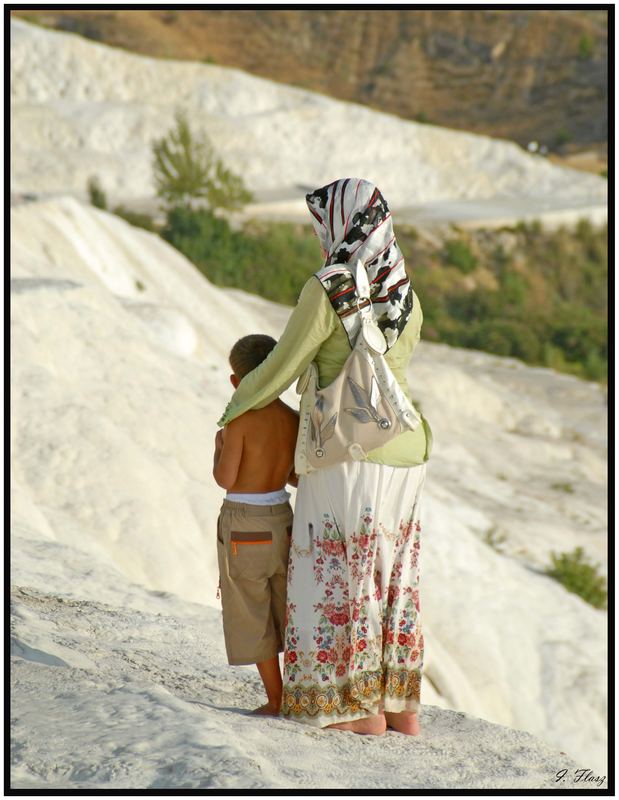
{"x": 317, "y": 415}
{"x": 365, "y": 406}
{"x": 327, "y": 432}
{"x": 360, "y": 414}
{"x": 374, "y": 395}
{"x": 359, "y": 393}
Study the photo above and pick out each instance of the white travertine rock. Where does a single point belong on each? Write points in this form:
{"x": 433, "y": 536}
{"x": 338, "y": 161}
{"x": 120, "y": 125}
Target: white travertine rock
{"x": 114, "y": 415}
{"x": 80, "y": 108}
{"x": 118, "y": 688}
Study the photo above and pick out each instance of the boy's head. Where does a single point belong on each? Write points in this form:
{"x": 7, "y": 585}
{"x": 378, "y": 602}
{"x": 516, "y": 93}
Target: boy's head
{"x": 247, "y": 353}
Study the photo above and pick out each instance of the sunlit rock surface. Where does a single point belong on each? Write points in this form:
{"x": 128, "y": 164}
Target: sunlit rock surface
{"x": 81, "y": 109}
{"x": 119, "y": 374}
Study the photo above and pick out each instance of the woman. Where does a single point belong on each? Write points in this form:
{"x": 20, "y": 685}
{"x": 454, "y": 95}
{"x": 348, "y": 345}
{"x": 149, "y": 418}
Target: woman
{"x": 354, "y": 647}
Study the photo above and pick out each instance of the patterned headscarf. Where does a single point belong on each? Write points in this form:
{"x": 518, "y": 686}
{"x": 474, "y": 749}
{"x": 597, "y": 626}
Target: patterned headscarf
{"x": 353, "y": 223}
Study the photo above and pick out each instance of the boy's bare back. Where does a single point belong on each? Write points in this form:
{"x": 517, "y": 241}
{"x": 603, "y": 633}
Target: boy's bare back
{"x": 258, "y": 449}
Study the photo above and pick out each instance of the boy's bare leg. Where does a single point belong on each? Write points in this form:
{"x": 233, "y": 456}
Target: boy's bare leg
{"x": 272, "y": 680}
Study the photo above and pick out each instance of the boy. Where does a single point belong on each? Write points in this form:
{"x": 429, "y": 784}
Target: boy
{"x": 254, "y": 459}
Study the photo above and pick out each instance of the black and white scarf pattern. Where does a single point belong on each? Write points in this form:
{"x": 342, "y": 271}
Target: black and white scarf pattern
{"x": 353, "y": 222}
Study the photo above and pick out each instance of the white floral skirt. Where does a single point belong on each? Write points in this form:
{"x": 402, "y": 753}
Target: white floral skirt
{"x": 353, "y": 636}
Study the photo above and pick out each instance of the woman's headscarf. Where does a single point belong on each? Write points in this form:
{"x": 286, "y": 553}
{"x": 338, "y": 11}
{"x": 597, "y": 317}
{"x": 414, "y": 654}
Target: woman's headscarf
{"x": 353, "y": 222}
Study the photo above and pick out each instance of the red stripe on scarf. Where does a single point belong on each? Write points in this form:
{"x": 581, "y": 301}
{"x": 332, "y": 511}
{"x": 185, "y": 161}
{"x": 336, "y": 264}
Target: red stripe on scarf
{"x": 339, "y": 294}
{"x": 389, "y": 270}
{"x": 316, "y": 215}
{"x": 391, "y": 289}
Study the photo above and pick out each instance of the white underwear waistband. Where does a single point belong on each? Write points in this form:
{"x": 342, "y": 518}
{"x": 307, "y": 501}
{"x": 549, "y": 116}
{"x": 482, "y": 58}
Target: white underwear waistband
{"x": 260, "y": 498}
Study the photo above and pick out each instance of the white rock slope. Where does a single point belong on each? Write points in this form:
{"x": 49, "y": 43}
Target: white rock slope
{"x": 115, "y": 687}
{"x": 119, "y": 374}
{"x": 80, "y": 108}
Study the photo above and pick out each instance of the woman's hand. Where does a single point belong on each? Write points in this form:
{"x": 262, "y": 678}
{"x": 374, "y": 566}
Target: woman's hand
{"x": 219, "y": 445}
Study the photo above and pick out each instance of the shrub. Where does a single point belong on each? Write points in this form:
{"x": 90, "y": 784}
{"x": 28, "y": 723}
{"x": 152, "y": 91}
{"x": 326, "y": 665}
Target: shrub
{"x": 595, "y": 367}
{"x": 577, "y": 331}
{"x": 514, "y": 288}
{"x": 550, "y": 307}
{"x": 96, "y": 194}
{"x": 585, "y": 47}
{"x": 491, "y": 337}
{"x": 574, "y": 572}
{"x": 478, "y": 304}
{"x": 457, "y": 254}
{"x": 186, "y": 170}
{"x": 273, "y": 260}
{"x": 563, "y": 487}
{"x": 562, "y": 137}
{"x": 531, "y": 229}
{"x": 136, "y": 218}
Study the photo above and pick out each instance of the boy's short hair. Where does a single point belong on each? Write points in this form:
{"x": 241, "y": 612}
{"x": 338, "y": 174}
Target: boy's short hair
{"x": 250, "y": 351}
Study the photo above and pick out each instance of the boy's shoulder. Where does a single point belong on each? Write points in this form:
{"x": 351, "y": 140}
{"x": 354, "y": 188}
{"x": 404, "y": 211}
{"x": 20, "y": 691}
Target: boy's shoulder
{"x": 246, "y": 421}
{"x": 274, "y": 413}
{"x": 240, "y": 422}
{"x": 291, "y": 412}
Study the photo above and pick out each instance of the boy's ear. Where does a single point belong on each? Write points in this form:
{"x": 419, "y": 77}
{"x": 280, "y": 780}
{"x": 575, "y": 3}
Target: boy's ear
{"x": 234, "y": 380}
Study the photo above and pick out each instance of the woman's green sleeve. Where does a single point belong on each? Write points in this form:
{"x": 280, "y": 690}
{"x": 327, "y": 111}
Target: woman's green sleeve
{"x": 312, "y": 321}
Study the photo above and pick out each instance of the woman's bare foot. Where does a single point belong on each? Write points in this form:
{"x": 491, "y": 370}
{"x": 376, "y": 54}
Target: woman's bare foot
{"x": 370, "y": 726}
{"x": 267, "y": 710}
{"x": 404, "y": 722}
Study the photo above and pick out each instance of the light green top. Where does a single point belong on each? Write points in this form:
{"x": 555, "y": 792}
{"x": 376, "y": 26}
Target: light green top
{"x": 314, "y": 333}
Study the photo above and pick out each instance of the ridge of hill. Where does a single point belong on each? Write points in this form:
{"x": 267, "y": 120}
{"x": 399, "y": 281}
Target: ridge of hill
{"x": 517, "y": 74}
{"x": 80, "y": 108}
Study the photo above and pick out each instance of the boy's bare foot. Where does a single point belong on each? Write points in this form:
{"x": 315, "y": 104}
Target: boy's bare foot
{"x": 370, "y": 726}
{"x": 272, "y": 680}
{"x": 404, "y": 722}
{"x": 267, "y": 710}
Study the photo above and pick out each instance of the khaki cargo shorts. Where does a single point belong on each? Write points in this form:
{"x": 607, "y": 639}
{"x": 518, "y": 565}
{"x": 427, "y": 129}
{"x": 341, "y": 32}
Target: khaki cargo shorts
{"x": 252, "y": 550}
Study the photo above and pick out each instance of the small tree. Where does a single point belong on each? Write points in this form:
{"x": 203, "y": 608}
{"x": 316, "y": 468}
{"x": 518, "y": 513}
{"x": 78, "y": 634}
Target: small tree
{"x": 187, "y": 169}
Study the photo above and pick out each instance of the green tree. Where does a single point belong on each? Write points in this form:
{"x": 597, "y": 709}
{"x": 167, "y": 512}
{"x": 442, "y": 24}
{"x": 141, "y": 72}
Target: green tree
{"x": 187, "y": 169}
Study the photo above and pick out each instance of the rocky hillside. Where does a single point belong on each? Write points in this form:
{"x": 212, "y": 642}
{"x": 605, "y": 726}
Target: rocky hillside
{"x": 80, "y": 108}
{"x": 520, "y": 75}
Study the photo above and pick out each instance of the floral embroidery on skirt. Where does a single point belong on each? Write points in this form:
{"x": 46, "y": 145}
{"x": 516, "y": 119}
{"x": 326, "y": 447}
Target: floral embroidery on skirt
{"x": 353, "y": 636}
